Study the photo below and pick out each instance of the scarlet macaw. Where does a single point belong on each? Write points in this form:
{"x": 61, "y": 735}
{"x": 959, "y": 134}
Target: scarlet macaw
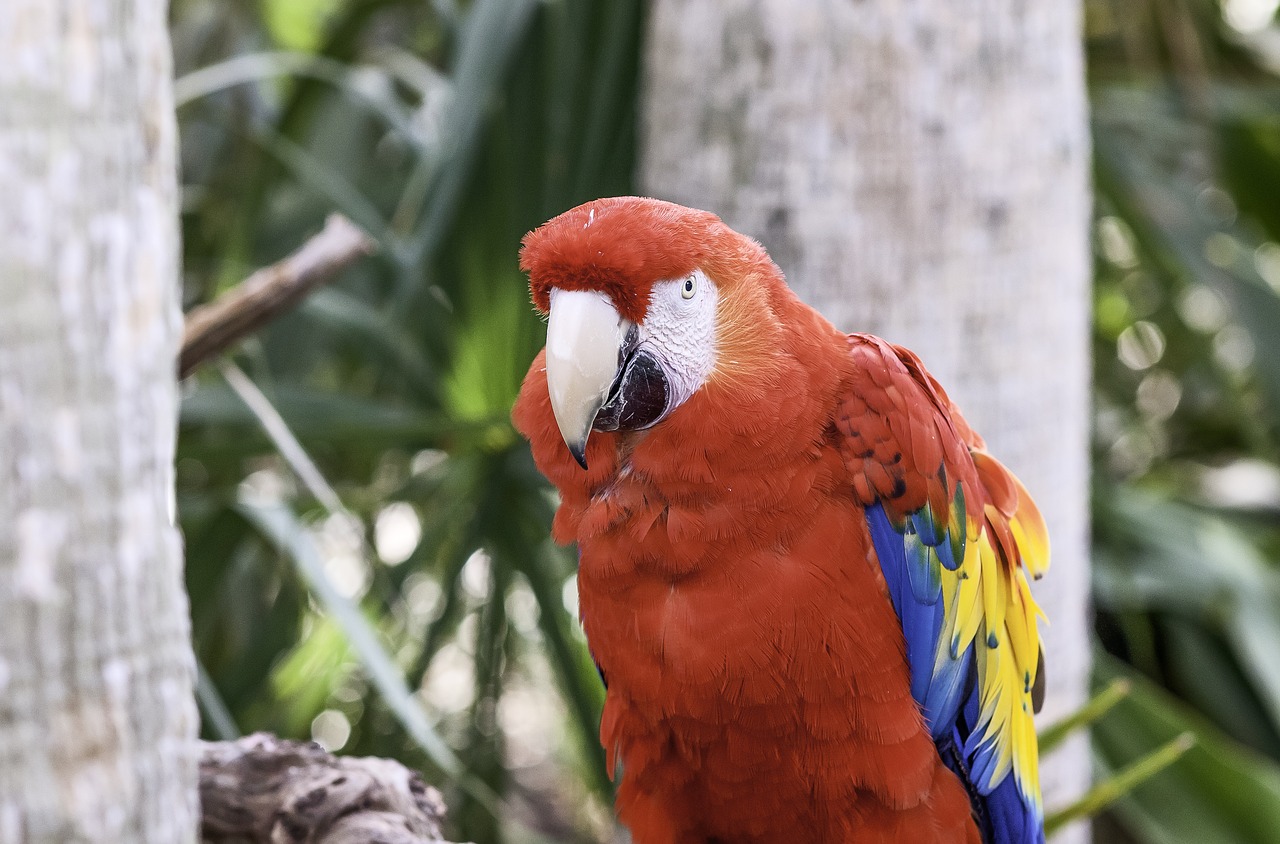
{"x": 801, "y": 575}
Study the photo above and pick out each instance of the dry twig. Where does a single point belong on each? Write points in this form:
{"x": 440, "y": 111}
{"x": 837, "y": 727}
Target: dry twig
{"x": 269, "y": 292}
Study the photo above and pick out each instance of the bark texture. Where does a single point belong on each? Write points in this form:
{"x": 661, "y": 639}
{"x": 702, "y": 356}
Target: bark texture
{"x": 97, "y": 715}
{"x": 265, "y": 790}
{"x": 919, "y": 170}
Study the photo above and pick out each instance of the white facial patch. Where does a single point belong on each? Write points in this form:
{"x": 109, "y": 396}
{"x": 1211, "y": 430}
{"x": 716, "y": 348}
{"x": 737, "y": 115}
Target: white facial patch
{"x": 680, "y": 329}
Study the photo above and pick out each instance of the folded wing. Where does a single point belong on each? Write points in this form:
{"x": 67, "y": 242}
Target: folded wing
{"x": 956, "y": 536}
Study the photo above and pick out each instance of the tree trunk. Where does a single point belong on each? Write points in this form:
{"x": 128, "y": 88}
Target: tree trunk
{"x": 919, "y": 171}
{"x": 97, "y": 715}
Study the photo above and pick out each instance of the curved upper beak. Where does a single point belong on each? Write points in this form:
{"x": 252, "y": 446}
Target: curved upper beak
{"x": 585, "y": 336}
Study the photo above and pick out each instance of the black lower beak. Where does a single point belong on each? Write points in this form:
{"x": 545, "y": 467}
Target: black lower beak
{"x": 638, "y": 399}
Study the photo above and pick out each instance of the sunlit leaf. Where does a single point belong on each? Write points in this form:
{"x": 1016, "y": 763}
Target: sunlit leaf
{"x": 298, "y": 24}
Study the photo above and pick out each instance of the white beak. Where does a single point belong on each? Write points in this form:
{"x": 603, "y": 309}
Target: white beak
{"x": 585, "y": 334}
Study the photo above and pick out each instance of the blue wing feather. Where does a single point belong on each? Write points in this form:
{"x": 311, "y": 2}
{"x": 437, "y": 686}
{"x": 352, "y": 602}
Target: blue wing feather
{"x": 922, "y": 570}
{"x": 921, "y": 622}
{"x": 942, "y": 678}
{"x": 1008, "y": 818}
{"x": 927, "y": 528}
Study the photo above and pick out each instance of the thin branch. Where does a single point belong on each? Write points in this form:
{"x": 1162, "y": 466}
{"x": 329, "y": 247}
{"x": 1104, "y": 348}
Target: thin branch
{"x": 269, "y": 292}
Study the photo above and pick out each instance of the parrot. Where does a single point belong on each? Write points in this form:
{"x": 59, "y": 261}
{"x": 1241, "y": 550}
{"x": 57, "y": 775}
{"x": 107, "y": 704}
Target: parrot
{"x": 801, "y": 575}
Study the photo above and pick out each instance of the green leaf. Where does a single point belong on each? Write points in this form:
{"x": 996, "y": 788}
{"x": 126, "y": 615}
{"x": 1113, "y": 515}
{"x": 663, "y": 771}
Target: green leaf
{"x": 1119, "y": 784}
{"x": 490, "y": 34}
{"x": 282, "y": 527}
{"x": 250, "y": 68}
{"x": 1176, "y": 559}
{"x": 332, "y": 185}
{"x": 1096, "y": 707}
{"x": 378, "y": 334}
{"x": 215, "y": 716}
{"x": 579, "y": 678}
{"x": 1217, "y": 793}
{"x": 320, "y": 415}
{"x": 298, "y": 24}
{"x": 303, "y": 680}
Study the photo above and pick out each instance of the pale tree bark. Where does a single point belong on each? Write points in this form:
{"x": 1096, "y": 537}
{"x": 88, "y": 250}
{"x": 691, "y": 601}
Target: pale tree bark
{"x": 97, "y": 715}
{"x": 919, "y": 170}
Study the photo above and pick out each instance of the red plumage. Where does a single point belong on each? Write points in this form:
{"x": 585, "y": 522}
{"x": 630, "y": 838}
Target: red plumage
{"x": 758, "y": 687}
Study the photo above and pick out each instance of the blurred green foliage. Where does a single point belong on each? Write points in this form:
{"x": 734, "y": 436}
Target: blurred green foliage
{"x": 446, "y": 131}
{"x": 409, "y": 604}
{"x": 1186, "y": 116}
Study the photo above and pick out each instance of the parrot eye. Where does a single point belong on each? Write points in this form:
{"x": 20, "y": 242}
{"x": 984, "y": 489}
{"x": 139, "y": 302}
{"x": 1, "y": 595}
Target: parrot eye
{"x": 690, "y": 287}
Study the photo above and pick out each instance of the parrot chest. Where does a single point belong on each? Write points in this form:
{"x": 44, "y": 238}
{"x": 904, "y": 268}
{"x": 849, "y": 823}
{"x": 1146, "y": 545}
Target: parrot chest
{"x": 762, "y": 670}
{"x": 768, "y": 630}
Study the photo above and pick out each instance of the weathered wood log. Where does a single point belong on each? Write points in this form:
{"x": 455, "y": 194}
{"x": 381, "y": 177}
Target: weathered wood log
{"x": 265, "y": 790}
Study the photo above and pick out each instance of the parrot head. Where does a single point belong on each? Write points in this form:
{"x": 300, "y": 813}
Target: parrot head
{"x": 647, "y": 302}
